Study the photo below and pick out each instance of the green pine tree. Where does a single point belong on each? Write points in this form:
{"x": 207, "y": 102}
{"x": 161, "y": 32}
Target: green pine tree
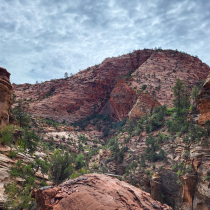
{"x": 181, "y": 96}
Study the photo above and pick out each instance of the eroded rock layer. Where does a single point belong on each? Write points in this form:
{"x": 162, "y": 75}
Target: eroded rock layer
{"x": 97, "y": 89}
{"x": 5, "y": 96}
{"x": 95, "y": 191}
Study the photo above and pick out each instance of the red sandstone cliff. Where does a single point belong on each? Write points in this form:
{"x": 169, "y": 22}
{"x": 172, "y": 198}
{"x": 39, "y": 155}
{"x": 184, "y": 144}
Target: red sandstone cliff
{"x": 96, "y": 89}
{"x": 203, "y": 102}
{"x": 5, "y": 96}
{"x": 95, "y": 191}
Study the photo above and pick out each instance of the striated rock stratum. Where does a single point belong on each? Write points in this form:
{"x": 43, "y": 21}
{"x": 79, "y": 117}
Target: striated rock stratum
{"x": 113, "y": 86}
{"x": 95, "y": 191}
{"x": 6, "y": 96}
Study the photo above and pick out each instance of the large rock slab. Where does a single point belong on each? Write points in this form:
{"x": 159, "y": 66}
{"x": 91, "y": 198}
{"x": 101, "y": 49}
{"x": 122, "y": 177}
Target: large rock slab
{"x": 95, "y": 191}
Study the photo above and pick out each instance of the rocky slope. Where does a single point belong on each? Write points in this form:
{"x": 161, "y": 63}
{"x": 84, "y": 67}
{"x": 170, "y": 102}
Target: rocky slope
{"x": 97, "y": 89}
{"x": 95, "y": 191}
{"x": 160, "y": 179}
{"x": 6, "y": 96}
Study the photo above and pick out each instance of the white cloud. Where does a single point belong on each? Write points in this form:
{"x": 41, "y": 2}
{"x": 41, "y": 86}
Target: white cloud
{"x": 42, "y": 39}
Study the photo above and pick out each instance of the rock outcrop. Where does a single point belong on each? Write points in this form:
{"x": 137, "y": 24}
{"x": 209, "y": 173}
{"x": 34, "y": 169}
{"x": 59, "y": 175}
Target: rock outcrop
{"x": 121, "y": 101}
{"x": 203, "y": 102}
{"x": 145, "y": 104}
{"x": 6, "y": 96}
{"x": 95, "y": 191}
{"x": 96, "y": 89}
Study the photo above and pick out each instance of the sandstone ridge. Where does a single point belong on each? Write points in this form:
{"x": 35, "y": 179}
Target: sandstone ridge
{"x": 98, "y": 88}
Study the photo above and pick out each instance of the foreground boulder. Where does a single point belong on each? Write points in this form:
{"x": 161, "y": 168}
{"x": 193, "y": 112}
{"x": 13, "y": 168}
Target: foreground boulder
{"x": 95, "y": 191}
{"x": 5, "y": 96}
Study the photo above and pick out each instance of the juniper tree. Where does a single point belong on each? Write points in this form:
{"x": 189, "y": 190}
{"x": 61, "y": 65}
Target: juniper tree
{"x": 61, "y": 166}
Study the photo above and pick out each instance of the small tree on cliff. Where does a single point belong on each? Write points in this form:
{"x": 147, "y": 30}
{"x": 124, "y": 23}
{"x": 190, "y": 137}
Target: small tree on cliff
{"x": 181, "y": 96}
{"x": 20, "y": 115}
{"x": 29, "y": 141}
{"x": 152, "y": 147}
{"x": 194, "y": 92}
{"x": 66, "y": 75}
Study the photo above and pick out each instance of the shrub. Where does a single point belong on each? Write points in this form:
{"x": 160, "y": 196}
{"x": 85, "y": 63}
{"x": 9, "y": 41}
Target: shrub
{"x": 12, "y": 154}
{"x": 144, "y": 87}
{"x": 178, "y": 173}
{"x": 81, "y": 147}
{"x": 148, "y": 128}
{"x": 175, "y": 167}
{"x": 22, "y": 118}
{"x": 74, "y": 175}
{"x": 29, "y": 141}
{"x": 61, "y": 166}
{"x": 186, "y": 154}
{"x": 207, "y": 178}
{"x": 138, "y": 131}
{"x": 109, "y": 159}
{"x": 147, "y": 171}
{"x": 152, "y": 147}
{"x": 6, "y": 135}
{"x": 189, "y": 169}
{"x": 79, "y": 161}
{"x": 142, "y": 162}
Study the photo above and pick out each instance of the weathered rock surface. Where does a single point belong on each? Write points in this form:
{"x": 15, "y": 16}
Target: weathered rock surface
{"x": 95, "y": 191}
{"x": 203, "y": 102}
{"x": 145, "y": 104}
{"x": 96, "y": 89}
{"x": 121, "y": 101}
{"x": 156, "y": 187}
{"x": 6, "y": 96}
{"x": 161, "y": 70}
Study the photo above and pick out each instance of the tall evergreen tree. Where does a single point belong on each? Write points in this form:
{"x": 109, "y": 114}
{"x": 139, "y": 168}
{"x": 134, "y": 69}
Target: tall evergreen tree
{"x": 21, "y": 116}
{"x": 194, "y": 92}
{"x": 181, "y": 96}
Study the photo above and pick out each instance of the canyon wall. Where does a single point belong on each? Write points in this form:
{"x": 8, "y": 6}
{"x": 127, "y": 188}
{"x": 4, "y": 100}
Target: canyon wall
{"x": 6, "y": 96}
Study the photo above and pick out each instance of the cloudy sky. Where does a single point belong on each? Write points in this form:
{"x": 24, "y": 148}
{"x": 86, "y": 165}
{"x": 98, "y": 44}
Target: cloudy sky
{"x": 42, "y": 39}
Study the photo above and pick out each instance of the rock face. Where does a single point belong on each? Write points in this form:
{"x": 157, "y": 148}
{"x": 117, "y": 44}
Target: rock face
{"x": 121, "y": 101}
{"x": 6, "y": 96}
{"x": 97, "y": 89}
{"x": 95, "y": 191}
{"x": 203, "y": 102}
{"x": 189, "y": 184}
{"x": 145, "y": 104}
